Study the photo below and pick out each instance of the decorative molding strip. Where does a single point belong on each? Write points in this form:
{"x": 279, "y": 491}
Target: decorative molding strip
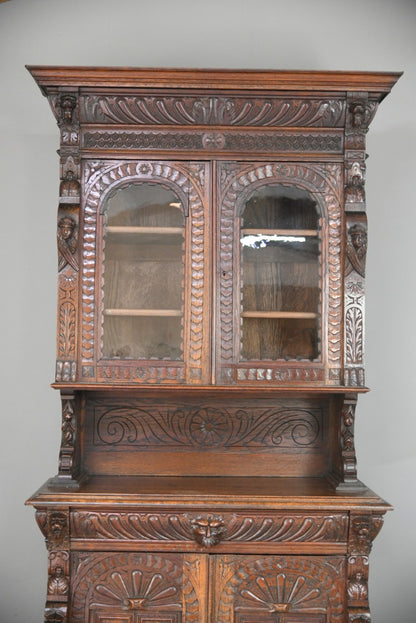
{"x": 229, "y": 141}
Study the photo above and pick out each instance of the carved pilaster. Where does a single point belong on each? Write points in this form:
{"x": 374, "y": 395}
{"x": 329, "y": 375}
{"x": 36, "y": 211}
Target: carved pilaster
{"x": 55, "y": 526}
{"x": 354, "y": 298}
{"x": 363, "y": 531}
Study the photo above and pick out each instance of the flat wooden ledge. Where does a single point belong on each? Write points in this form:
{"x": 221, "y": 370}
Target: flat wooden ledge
{"x": 49, "y": 77}
{"x": 192, "y": 491}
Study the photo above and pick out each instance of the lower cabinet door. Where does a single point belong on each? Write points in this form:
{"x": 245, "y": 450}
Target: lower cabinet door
{"x": 278, "y": 589}
{"x": 138, "y": 588}
{"x": 130, "y": 587}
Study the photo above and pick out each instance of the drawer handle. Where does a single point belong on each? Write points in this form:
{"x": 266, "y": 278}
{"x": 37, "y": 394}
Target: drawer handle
{"x": 208, "y": 531}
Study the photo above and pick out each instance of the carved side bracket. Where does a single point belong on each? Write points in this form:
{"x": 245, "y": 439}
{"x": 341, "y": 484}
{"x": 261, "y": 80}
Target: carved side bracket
{"x": 363, "y": 531}
{"x": 69, "y": 471}
{"x": 348, "y": 473}
{"x": 55, "y": 527}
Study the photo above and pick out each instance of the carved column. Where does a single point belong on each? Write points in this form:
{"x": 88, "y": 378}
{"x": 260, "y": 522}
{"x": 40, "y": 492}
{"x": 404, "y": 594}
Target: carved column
{"x": 65, "y": 107}
{"x": 55, "y": 526}
{"x": 363, "y": 531}
{"x": 360, "y": 111}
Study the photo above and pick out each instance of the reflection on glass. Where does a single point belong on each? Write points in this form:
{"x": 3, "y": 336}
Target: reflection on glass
{"x": 280, "y": 275}
{"x": 143, "y": 274}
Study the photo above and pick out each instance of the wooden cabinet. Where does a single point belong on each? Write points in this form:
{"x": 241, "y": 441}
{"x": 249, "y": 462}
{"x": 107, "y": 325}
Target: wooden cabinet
{"x": 211, "y": 259}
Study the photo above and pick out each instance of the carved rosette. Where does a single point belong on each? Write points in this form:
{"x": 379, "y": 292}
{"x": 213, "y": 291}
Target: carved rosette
{"x": 363, "y": 531}
{"x": 55, "y": 527}
{"x": 354, "y": 298}
{"x": 101, "y": 178}
{"x": 270, "y": 586}
{"x": 144, "y": 584}
{"x": 236, "y": 182}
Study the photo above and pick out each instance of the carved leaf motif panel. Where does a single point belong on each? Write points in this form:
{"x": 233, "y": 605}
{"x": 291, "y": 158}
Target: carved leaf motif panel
{"x": 236, "y": 183}
{"x": 212, "y": 110}
{"x": 189, "y": 181}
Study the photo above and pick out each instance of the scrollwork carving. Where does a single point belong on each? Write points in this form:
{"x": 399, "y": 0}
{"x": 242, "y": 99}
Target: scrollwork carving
{"x": 132, "y": 424}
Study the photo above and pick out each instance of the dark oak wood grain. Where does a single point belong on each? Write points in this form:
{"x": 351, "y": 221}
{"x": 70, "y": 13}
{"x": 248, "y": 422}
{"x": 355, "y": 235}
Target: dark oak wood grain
{"x": 212, "y": 242}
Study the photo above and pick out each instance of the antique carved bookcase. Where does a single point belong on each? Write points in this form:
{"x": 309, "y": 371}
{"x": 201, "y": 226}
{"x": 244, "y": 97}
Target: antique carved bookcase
{"x": 211, "y": 259}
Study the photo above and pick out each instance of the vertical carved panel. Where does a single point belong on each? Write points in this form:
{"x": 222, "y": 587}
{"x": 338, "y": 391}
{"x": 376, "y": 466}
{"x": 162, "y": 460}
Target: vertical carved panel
{"x": 68, "y": 467}
{"x": 354, "y": 299}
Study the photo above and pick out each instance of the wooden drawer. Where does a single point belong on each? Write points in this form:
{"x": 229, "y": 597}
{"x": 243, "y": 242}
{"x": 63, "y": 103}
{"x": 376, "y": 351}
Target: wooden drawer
{"x": 271, "y": 532}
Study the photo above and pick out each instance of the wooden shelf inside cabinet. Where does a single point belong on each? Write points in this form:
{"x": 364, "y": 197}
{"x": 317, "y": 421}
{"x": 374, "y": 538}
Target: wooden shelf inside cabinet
{"x": 171, "y": 313}
{"x": 278, "y": 314}
{"x": 279, "y": 232}
{"x": 127, "y": 229}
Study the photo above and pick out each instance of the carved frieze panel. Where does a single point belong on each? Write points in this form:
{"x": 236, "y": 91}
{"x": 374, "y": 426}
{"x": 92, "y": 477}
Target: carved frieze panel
{"x": 270, "y": 586}
{"x": 212, "y": 110}
{"x": 129, "y": 423}
{"x": 266, "y": 141}
{"x": 210, "y": 529}
{"x": 152, "y": 586}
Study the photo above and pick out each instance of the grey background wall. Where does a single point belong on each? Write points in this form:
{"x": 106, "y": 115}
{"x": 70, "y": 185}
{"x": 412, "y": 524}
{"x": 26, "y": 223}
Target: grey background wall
{"x": 300, "y": 34}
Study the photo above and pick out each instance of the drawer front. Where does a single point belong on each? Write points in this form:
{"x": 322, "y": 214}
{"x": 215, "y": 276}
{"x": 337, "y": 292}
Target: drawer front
{"x": 268, "y": 531}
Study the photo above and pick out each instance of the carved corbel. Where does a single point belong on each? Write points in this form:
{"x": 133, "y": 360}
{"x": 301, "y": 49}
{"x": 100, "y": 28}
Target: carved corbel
{"x": 347, "y": 444}
{"x": 55, "y": 527}
{"x": 363, "y": 531}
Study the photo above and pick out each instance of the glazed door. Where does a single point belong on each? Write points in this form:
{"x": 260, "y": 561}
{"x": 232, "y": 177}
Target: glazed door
{"x": 279, "y": 226}
{"x": 147, "y": 232}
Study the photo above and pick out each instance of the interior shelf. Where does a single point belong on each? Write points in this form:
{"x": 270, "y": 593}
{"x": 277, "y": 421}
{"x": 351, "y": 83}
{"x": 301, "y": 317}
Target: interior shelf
{"x": 143, "y": 312}
{"x": 278, "y": 314}
{"x": 129, "y": 229}
{"x": 279, "y": 232}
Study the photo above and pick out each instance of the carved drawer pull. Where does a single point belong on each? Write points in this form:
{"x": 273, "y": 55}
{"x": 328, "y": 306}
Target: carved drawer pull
{"x": 138, "y": 603}
{"x": 208, "y": 530}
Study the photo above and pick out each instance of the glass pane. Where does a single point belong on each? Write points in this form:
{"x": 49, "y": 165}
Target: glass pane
{"x": 280, "y": 275}
{"x": 143, "y": 274}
